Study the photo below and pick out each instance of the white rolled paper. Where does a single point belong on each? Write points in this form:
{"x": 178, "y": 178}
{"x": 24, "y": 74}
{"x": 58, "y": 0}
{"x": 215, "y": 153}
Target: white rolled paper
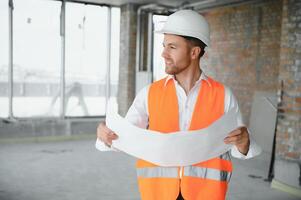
{"x": 181, "y": 148}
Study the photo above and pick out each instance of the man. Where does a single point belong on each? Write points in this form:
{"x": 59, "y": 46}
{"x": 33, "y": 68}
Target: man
{"x": 185, "y": 100}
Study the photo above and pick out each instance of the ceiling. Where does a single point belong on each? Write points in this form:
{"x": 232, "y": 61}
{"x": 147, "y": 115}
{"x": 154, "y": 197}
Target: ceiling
{"x": 173, "y": 3}
{"x": 169, "y": 3}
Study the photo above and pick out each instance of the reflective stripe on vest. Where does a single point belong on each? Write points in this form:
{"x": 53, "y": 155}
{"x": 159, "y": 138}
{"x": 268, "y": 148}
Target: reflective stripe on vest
{"x": 172, "y": 172}
{"x": 157, "y": 172}
{"x": 207, "y": 173}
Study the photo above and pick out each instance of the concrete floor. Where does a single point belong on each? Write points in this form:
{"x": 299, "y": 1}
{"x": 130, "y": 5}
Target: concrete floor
{"x": 76, "y": 170}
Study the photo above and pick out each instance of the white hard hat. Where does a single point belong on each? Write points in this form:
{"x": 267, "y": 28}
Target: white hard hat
{"x": 187, "y": 23}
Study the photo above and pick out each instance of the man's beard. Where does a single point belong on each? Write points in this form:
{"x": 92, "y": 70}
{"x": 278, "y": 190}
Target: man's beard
{"x": 171, "y": 70}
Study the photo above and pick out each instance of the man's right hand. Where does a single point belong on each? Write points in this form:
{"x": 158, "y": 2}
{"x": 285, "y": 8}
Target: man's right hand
{"x": 105, "y": 134}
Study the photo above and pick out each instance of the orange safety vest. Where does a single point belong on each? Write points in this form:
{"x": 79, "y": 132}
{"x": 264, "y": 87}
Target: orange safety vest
{"x": 206, "y": 180}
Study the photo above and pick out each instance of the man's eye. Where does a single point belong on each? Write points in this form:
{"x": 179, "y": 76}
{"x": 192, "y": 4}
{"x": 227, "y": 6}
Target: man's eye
{"x": 172, "y": 47}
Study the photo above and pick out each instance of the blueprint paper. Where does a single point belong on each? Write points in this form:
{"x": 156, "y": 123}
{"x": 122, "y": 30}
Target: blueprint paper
{"x": 181, "y": 148}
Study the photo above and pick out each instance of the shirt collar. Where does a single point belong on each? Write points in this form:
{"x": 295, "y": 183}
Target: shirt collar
{"x": 202, "y": 77}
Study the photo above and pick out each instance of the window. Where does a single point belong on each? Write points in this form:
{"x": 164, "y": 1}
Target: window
{"x": 37, "y": 57}
{"x": 158, "y": 62}
{"x": 87, "y": 60}
{"x": 115, "y": 41}
{"x": 4, "y": 58}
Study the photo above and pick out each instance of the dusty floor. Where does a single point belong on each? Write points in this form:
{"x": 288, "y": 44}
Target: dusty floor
{"x": 76, "y": 170}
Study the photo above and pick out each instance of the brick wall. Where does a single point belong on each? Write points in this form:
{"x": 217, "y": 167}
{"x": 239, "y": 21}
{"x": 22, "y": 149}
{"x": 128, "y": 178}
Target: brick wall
{"x": 244, "y": 52}
{"x": 288, "y": 142}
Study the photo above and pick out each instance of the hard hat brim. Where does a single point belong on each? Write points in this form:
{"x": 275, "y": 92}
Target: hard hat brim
{"x": 179, "y": 33}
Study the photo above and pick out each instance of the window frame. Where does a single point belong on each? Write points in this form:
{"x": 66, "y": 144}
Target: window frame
{"x": 62, "y": 114}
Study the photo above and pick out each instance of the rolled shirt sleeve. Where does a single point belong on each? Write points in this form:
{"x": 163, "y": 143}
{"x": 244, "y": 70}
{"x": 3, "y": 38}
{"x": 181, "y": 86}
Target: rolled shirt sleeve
{"x": 138, "y": 112}
{"x": 254, "y": 149}
{"x": 136, "y": 115}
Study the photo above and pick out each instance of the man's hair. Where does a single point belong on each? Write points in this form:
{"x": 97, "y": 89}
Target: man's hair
{"x": 196, "y": 43}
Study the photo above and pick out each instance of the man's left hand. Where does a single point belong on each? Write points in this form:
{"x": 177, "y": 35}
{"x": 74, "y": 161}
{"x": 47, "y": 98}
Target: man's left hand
{"x": 240, "y": 138}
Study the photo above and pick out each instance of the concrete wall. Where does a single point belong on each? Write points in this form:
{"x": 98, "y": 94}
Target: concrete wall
{"x": 127, "y": 66}
{"x": 47, "y": 127}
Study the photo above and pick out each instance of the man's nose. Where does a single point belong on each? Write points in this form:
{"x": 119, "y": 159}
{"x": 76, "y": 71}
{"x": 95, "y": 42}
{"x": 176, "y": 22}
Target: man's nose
{"x": 164, "y": 54}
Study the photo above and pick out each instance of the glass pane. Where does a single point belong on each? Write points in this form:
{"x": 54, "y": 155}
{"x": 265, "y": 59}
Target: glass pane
{"x": 115, "y": 45}
{"x": 4, "y": 58}
{"x": 158, "y": 62}
{"x": 86, "y": 59}
{"x": 37, "y": 54}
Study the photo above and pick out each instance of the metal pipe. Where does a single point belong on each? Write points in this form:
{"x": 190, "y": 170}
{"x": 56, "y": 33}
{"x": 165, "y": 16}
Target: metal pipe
{"x": 142, "y": 39}
{"x": 108, "y": 77}
{"x": 197, "y": 4}
{"x": 63, "y": 47}
{"x": 149, "y": 42}
{"x": 211, "y": 4}
{"x": 10, "y": 60}
{"x": 138, "y": 40}
{"x": 139, "y": 43}
{"x": 90, "y": 3}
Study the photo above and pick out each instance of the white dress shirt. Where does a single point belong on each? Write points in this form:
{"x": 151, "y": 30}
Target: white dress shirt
{"x": 138, "y": 112}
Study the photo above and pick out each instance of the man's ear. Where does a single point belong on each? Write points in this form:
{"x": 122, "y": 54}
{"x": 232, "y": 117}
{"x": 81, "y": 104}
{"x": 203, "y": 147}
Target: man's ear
{"x": 195, "y": 52}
